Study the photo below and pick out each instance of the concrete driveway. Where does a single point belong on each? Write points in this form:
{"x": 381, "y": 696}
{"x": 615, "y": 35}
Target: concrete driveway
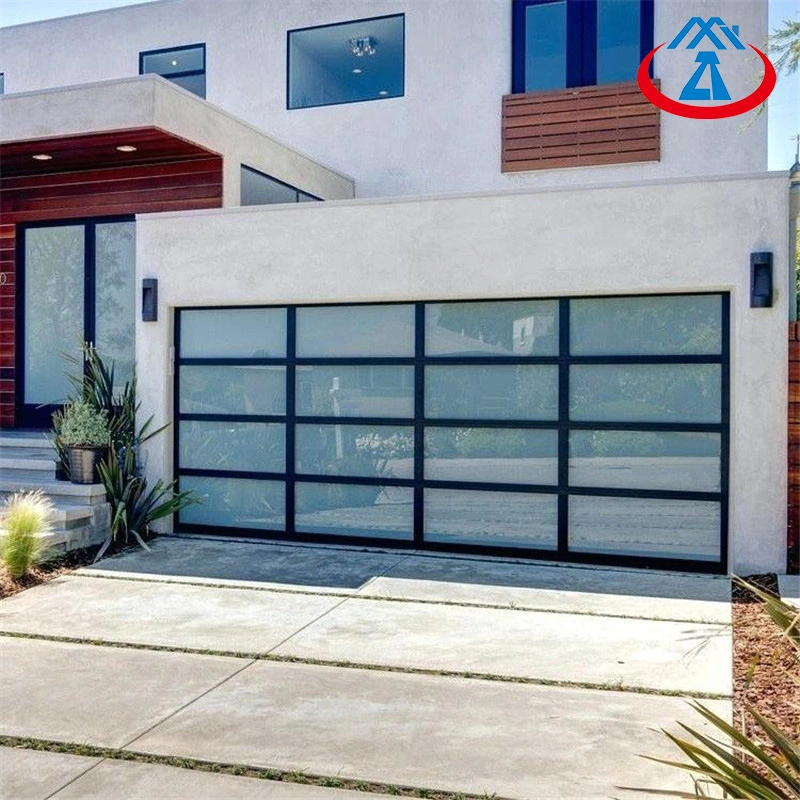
{"x": 365, "y": 670}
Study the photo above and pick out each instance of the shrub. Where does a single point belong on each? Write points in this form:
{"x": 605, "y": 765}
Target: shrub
{"x": 83, "y": 425}
{"x": 26, "y": 519}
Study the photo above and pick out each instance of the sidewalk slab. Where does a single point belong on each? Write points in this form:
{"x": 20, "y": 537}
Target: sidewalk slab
{"x": 35, "y": 775}
{"x": 789, "y": 589}
{"x": 133, "y": 781}
{"x": 652, "y": 654}
{"x": 97, "y": 695}
{"x": 318, "y": 569}
{"x": 653, "y": 595}
{"x": 448, "y": 734}
{"x": 236, "y": 620}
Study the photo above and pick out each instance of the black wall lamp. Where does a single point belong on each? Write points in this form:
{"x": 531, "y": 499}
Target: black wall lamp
{"x": 760, "y": 280}
{"x": 149, "y": 299}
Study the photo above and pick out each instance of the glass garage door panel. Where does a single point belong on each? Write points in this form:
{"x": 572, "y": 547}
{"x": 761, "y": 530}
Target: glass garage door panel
{"x": 681, "y": 393}
{"x": 501, "y": 328}
{"x": 380, "y": 512}
{"x": 626, "y": 526}
{"x": 500, "y": 392}
{"x": 232, "y": 389}
{"x": 355, "y": 331}
{"x": 494, "y": 519}
{"x": 233, "y": 446}
{"x": 233, "y": 333}
{"x": 236, "y": 503}
{"x": 366, "y": 451}
{"x": 491, "y": 455}
{"x": 685, "y": 461}
{"x": 355, "y": 391}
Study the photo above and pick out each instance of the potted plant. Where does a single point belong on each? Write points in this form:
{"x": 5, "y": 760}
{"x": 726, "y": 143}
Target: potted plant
{"x": 85, "y": 433}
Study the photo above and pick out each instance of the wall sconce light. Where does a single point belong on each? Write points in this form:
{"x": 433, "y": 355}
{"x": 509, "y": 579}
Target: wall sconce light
{"x": 149, "y": 299}
{"x": 760, "y": 280}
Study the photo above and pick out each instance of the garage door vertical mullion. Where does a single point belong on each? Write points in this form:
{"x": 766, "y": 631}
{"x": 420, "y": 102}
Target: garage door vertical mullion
{"x": 291, "y": 347}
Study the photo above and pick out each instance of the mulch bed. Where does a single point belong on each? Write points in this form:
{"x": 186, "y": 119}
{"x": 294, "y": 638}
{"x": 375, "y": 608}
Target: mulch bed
{"x": 46, "y": 572}
{"x": 766, "y": 670}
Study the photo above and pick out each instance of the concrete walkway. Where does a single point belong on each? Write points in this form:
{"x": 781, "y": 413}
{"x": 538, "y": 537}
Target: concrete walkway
{"x": 455, "y": 675}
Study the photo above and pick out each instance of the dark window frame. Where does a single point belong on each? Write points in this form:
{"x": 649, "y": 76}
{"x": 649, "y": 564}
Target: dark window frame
{"x": 581, "y": 41}
{"x": 178, "y": 73}
{"x": 419, "y": 424}
{"x": 2, "y": 83}
{"x": 297, "y": 192}
{"x": 289, "y": 33}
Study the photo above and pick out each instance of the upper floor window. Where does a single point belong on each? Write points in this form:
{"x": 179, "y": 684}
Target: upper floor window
{"x": 185, "y": 66}
{"x": 2, "y": 83}
{"x": 346, "y": 62}
{"x": 259, "y": 189}
{"x": 562, "y": 43}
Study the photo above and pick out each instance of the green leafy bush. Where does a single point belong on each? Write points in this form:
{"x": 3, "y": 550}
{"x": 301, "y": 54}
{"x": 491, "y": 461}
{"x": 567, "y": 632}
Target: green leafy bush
{"x": 26, "y": 520}
{"x": 83, "y": 425}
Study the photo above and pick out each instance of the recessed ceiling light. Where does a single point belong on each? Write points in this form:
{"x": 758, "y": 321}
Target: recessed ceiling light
{"x": 42, "y": 157}
{"x": 126, "y": 148}
{"x": 174, "y": 63}
{"x": 357, "y": 71}
{"x": 383, "y": 92}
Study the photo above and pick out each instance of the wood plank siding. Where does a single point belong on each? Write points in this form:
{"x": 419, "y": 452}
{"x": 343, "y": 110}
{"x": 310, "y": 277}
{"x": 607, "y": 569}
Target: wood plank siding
{"x": 89, "y": 178}
{"x": 582, "y": 126}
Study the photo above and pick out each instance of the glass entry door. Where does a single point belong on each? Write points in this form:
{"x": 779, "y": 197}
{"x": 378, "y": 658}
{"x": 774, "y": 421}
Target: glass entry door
{"x": 78, "y": 285}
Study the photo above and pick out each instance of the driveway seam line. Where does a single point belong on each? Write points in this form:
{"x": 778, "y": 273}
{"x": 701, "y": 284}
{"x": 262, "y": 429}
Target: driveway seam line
{"x": 307, "y": 625}
{"x": 420, "y": 601}
{"x": 76, "y": 777}
{"x": 187, "y": 704}
{"x": 275, "y": 774}
{"x": 271, "y": 657}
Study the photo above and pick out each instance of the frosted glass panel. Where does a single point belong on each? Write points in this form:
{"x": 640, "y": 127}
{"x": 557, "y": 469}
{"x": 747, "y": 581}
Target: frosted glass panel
{"x": 355, "y": 391}
{"x": 635, "y": 526}
{"x": 236, "y": 503}
{"x": 54, "y": 261}
{"x": 352, "y": 331}
{"x": 510, "y": 328}
{"x": 234, "y": 333}
{"x": 379, "y": 512}
{"x": 675, "y": 325}
{"x": 232, "y": 390}
{"x": 492, "y": 392}
{"x": 496, "y": 455}
{"x": 245, "y": 446}
{"x": 372, "y": 451}
{"x": 115, "y": 303}
{"x": 646, "y": 393}
{"x": 497, "y": 519}
{"x": 645, "y": 460}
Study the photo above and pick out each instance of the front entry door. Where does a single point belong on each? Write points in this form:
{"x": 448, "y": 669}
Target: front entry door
{"x": 77, "y": 285}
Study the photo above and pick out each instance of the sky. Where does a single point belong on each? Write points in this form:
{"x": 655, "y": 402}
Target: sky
{"x": 784, "y": 104}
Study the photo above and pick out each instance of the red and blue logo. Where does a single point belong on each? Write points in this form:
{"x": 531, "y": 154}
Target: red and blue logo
{"x": 721, "y": 37}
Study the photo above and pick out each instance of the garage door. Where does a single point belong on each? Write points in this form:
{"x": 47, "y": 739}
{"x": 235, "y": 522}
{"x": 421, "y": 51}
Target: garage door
{"x": 582, "y": 429}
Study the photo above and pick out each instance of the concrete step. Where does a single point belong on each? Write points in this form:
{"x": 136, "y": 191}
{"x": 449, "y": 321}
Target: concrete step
{"x": 58, "y": 491}
{"x": 43, "y": 451}
{"x": 26, "y": 465}
{"x": 26, "y": 439}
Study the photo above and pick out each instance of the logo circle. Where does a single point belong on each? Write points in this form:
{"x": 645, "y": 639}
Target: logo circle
{"x": 733, "y": 109}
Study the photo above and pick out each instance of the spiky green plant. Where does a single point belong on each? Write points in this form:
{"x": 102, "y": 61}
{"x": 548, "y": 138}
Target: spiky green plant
{"x": 729, "y": 763}
{"x": 25, "y": 520}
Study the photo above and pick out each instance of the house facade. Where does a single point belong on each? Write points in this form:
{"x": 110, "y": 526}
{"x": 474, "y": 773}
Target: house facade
{"x": 417, "y": 274}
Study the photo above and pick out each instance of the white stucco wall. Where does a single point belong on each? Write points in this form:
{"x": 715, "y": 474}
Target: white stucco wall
{"x": 666, "y": 236}
{"x": 150, "y": 101}
{"x": 443, "y": 136}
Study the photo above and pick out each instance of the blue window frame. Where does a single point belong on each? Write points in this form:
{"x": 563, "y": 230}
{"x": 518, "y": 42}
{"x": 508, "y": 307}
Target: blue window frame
{"x": 184, "y": 65}
{"x": 558, "y": 44}
{"x": 346, "y": 62}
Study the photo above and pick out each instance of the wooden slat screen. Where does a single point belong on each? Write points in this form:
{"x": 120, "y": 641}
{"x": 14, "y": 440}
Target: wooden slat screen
{"x": 583, "y": 126}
